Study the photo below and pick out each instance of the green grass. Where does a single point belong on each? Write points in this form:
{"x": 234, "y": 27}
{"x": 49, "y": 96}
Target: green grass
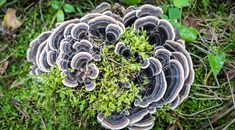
{"x": 24, "y": 107}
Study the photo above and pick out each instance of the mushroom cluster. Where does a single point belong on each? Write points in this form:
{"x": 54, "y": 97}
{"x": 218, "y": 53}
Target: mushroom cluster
{"x": 75, "y": 47}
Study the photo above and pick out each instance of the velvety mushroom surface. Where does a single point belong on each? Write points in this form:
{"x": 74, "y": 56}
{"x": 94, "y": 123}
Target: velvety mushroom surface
{"x": 75, "y": 47}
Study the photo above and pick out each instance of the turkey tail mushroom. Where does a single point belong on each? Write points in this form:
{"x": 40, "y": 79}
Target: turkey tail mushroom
{"x": 129, "y": 18}
{"x": 83, "y": 46}
{"x": 93, "y": 71}
{"x": 99, "y": 24}
{"x": 104, "y": 6}
{"x": 80, "y": 59}
{"x": 76, "y": 47}
{"x": 113, "y": 33}
{"x": 89, "y": 85}
{"x": 70, "y": 79}
{"x": 58, "y": 34}
{"x": 119, "y": 47}
{"x": 155, "y": 91}
{"x": 116, "y": 122}
{"x": 148, "y": 23}
{"x": 34, "y": 46}
{"x": 51, "y": 57}
{"x": 145, "y": 124}
{"x": 175, "y": 80}
{"x": 149, "y": 10}
{"x": 80, "y": 31}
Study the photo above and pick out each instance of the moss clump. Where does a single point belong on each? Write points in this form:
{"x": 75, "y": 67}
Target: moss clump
{"x": 112, "y": 96}
{"x": 138, "y": 42}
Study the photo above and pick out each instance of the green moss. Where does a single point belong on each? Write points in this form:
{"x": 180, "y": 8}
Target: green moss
{"x": 138, "y": 42}
{"x": 115, "y": 70}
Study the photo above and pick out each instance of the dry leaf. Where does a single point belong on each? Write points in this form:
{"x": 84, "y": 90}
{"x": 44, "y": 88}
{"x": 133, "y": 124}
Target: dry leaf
{"x": 190, "y": 21}
{"x": 3, "y": 66}
{"x": 10, "y": 21}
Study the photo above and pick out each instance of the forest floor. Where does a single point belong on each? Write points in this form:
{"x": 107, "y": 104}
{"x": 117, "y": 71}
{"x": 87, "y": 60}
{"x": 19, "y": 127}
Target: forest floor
{"x": 210, "y": 105}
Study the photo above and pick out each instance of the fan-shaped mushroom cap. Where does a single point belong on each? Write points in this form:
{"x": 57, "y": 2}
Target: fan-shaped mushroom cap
{"x": 43, "y": 64}
{"x": 154, "y": 68}
{"x": 184, "y": 92}
{"x": 158, "y": 31}
{"x": 116, "y": 122}
{"x": 154, "y": 92}
{"x": 80, "y": 59}
{"x": 129, "y": 18}
{"x": 90, "y": 85}
{"x": 63, "y": 64}
{"x": 57, "y": 34}
{"x": 67, "y": 30}
{"x": 113, "y": 33}
{"x": 141, "y": 128}
{"x": 65, "y": 47}
{"x": 51, "y": 57}
{"x": 34, "y": 45}
{"x": 167, "y": 28}
{"x": 89, "y": 16}
{"x": 99, "y": 24}
{"x": 80, "y": 31}
{"x": 163, "y": 55}
{"x": 126, "y": 52}
{"x": 149, "y": 10}
{"x": 137, "y": 114}
{"x": 175, "y": 46}
{"x": 102, "y": 7}
{"x": 174, "y": 74}
{"x": 83, "y": 46}
{"x": 145, "y": 64}
{"x": 129, "y": 9}
{"x": 175, "y": 103}
{"x": 182, "y": 42}
{"x": 122, "y": 26}
{"x": 70, "y": 80}
{"x": 145, "y": 122}
{"x": 148, "y": 23}
{"x": 93, "y": 71}
{"x": 183, "y": 60}
{"x": 119, "y": 47}
{"x": 39, "y": 50}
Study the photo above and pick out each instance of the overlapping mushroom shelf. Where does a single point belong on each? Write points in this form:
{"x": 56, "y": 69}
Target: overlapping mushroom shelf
{"x": 75, "y": 47}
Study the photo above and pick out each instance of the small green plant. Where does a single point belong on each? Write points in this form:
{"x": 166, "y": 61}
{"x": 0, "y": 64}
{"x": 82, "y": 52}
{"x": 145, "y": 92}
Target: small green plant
{"x": 132, "y": 2}
{"x": 2, "y": 2}
{"x": 173, "y": 14}
{"x": 63, "y": 8}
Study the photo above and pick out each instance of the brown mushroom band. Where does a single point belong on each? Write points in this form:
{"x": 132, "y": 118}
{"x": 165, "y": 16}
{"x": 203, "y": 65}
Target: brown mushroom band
{"x": 72, "y": 45}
